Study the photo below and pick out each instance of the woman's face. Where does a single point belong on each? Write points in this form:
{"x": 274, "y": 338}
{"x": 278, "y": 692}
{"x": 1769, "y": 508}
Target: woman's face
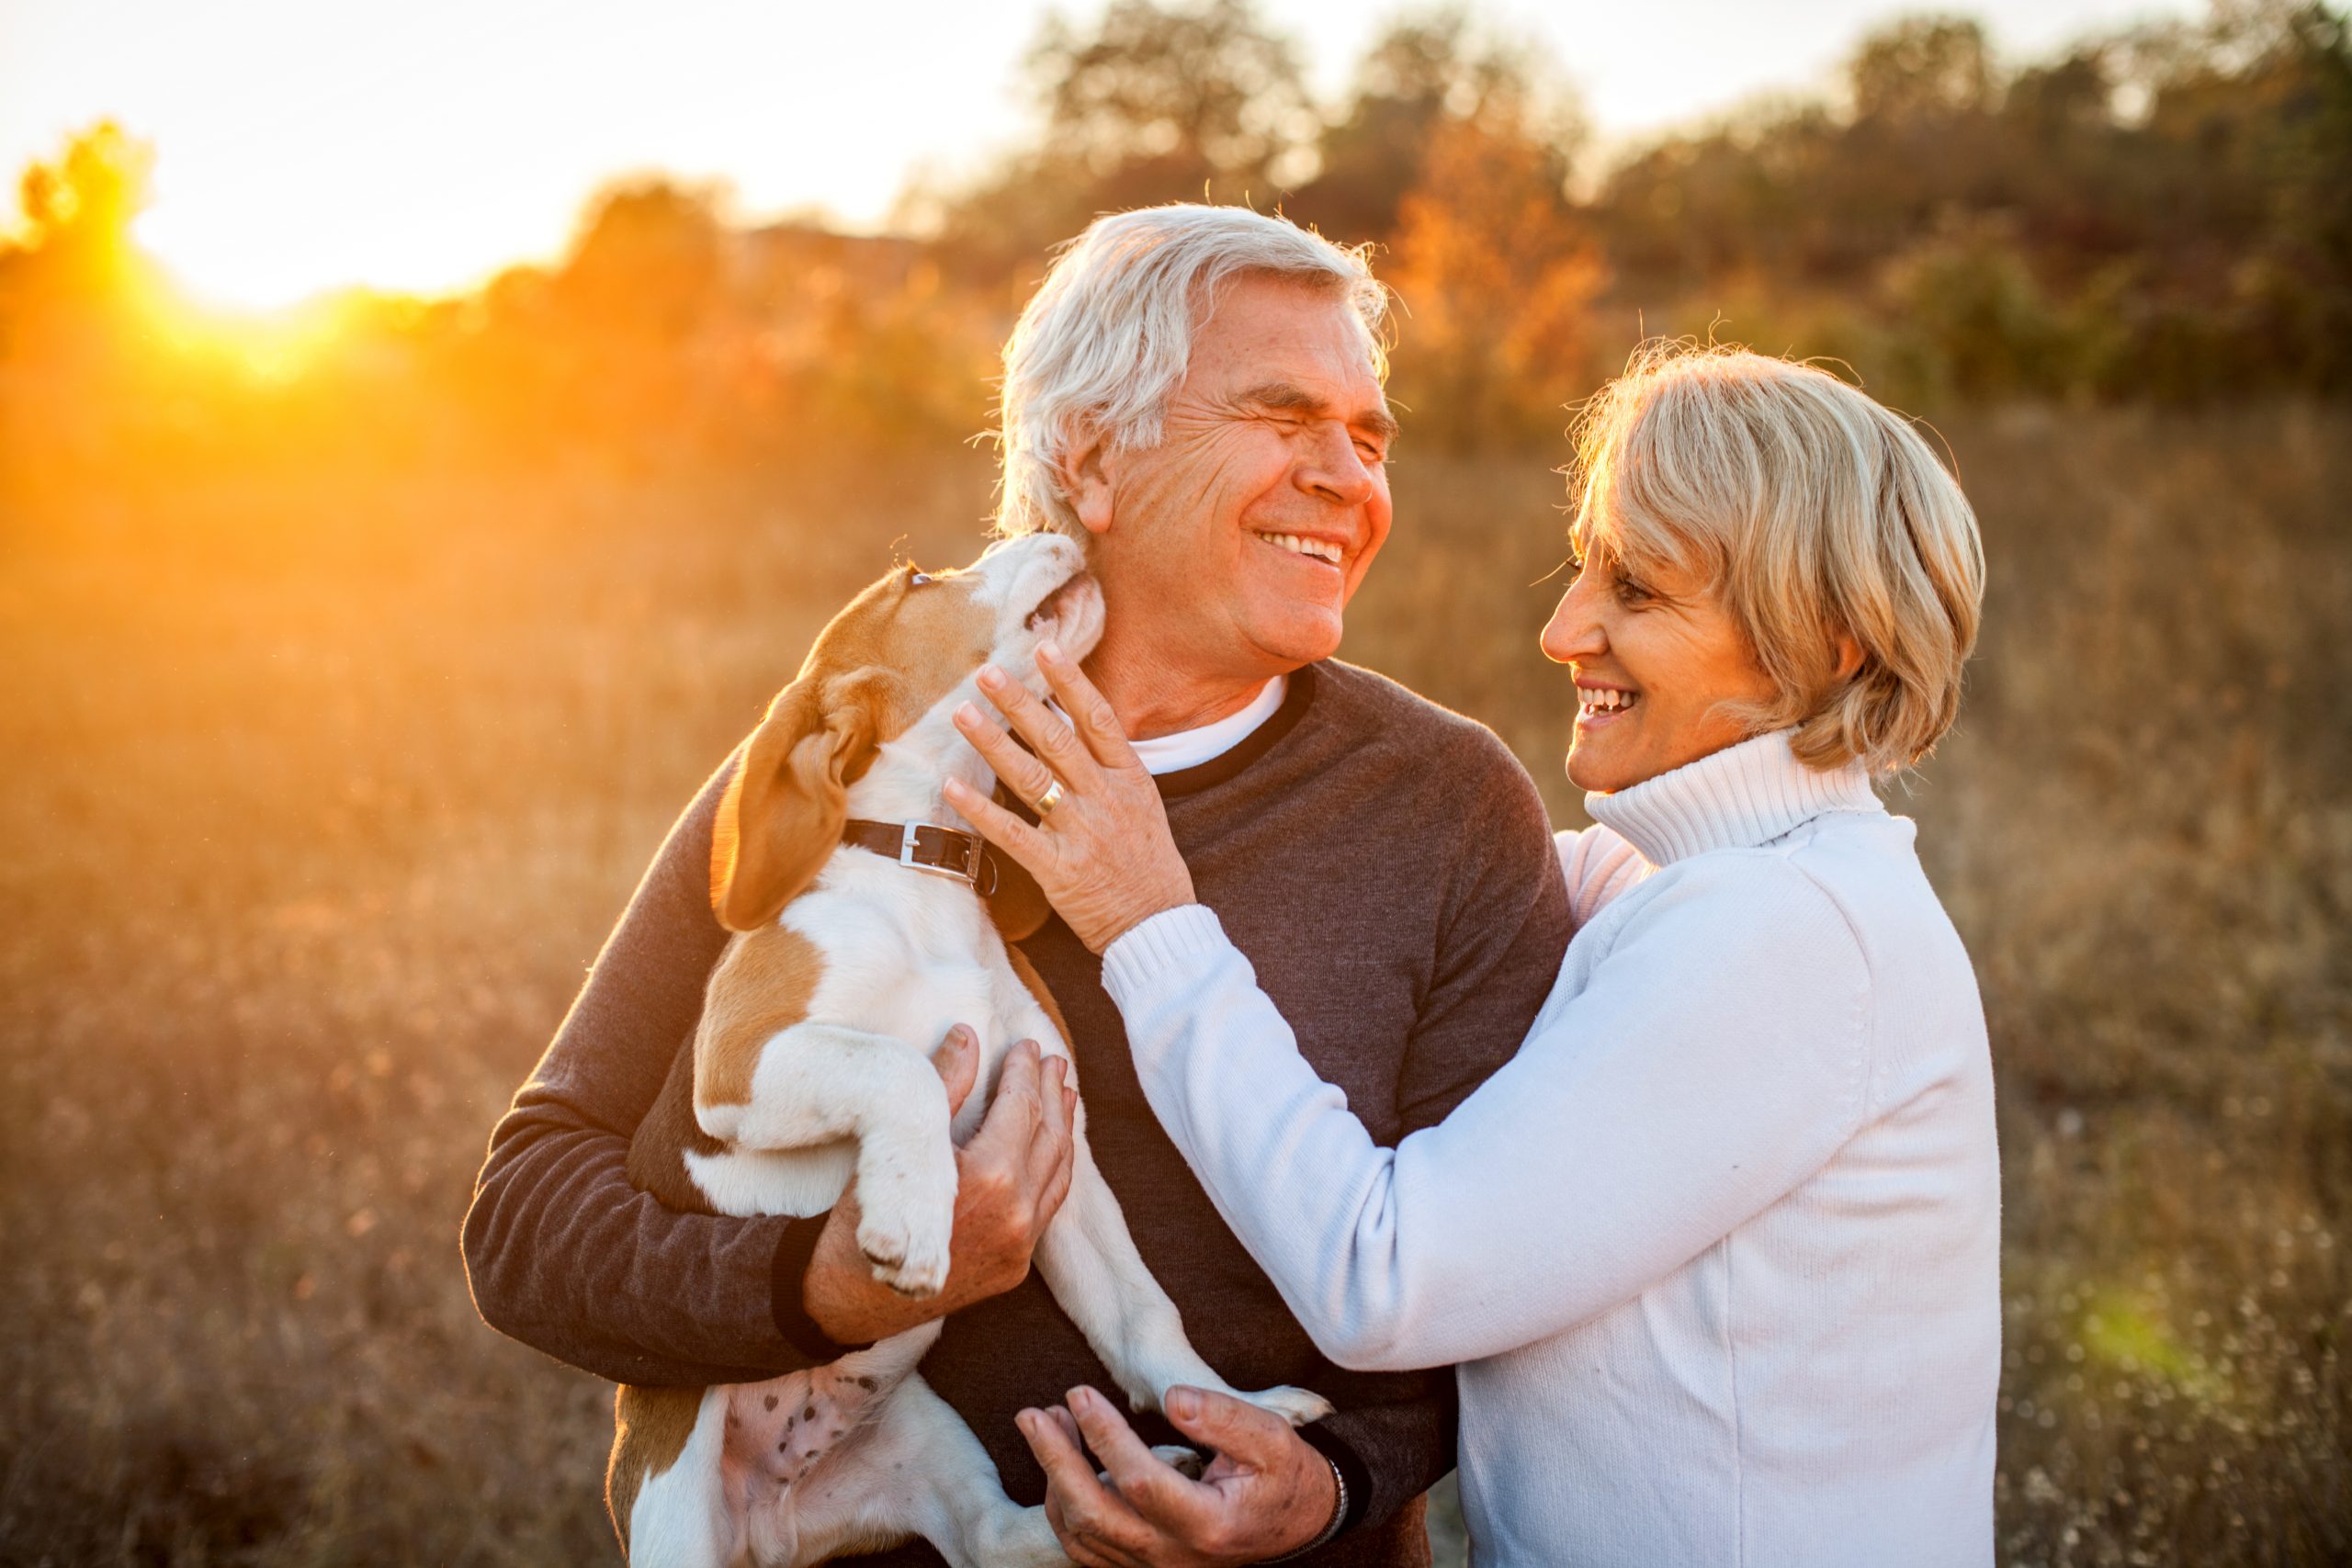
{"x": 1656, "y": 658}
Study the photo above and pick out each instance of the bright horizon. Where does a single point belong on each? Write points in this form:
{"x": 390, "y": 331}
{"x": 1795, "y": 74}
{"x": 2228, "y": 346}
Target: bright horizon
{"x": 421, "y": 148}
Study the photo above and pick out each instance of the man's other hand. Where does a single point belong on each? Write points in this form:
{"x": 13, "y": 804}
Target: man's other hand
{"x": 1267, "y": 1492}
{"x": 1010, "y": 1180}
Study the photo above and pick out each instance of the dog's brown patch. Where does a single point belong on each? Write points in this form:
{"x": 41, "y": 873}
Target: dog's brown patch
{"x": 1037, "y": 983}
{"x": 892, "y": 653}
{"x": 762, "y": 983}
{"x": 782, "y": 814}
{"x": 650, "y": 1426}
{"x": 658, "y": 1150}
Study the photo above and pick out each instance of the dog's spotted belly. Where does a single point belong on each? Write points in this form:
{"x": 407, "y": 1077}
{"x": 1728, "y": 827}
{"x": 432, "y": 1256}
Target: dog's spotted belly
{"x": 784, "y": 1435}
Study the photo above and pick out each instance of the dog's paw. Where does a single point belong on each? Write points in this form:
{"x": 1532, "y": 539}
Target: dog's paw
{"x": 910, "y": 1258}
{"x": 1187, "y": 1462}
{"x": 1295, "y": 1405}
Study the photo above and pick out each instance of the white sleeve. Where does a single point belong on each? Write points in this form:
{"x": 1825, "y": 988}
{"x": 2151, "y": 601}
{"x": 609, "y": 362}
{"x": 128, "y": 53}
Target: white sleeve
{"x": 1717, "y": 1057}
{"x": 1598, "y": 864}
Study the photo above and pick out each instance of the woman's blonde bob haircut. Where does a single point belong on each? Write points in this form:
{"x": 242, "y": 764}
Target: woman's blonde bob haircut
{"x": 1811, "y": 511}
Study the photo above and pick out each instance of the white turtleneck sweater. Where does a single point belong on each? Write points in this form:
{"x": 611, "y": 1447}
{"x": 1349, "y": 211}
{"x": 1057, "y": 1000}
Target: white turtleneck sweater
{"x": 1718, "y": 1251}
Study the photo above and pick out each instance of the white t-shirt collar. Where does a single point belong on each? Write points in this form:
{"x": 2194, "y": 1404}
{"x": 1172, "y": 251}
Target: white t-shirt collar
{"x": 1191, "y": 747}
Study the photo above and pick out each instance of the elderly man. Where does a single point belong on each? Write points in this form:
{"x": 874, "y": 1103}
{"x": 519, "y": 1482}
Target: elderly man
{"x": 1195, "y": 393}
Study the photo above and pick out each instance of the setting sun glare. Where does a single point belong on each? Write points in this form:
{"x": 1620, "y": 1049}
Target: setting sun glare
{"x": 423, "y": 147}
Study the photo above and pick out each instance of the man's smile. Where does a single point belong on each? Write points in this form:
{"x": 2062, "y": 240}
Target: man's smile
{"x": 1329, "y": 551}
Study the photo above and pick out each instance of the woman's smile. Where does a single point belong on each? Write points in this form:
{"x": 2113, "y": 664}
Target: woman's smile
{"x": 1598, "y": 704}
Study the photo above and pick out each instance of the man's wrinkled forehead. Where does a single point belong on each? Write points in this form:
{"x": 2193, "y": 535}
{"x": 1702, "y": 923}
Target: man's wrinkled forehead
{"x": 1313, "y": 295}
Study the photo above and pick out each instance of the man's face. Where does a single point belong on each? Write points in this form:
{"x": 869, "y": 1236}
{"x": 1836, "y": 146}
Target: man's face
{"x": 1232, "y": 548}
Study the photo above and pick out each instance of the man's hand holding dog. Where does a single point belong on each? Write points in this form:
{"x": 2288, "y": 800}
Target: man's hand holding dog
{"x": 1267, "y": 1493}
{"x": 1010, "y": 1180}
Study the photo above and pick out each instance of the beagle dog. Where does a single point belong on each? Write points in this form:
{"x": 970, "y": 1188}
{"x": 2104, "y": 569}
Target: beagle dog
{"x": 862, "y": 936}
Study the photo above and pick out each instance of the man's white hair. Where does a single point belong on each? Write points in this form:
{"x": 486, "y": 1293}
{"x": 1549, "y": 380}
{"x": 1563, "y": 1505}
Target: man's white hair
{"x": 1108, "y": 337}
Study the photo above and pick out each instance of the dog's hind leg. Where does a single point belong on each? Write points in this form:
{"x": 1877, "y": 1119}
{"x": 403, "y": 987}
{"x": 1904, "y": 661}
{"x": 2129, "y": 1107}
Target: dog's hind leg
{"x": 921, "y": 1471}
{"x": 666, "y": 1487}
{"x": 819, "y": 1082}
{"x": 1089, "y": 1261}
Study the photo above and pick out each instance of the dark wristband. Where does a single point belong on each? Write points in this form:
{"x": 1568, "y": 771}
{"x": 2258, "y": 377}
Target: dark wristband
{"x": 786, "y": 1282}
{"x": 1351, "y": 1469}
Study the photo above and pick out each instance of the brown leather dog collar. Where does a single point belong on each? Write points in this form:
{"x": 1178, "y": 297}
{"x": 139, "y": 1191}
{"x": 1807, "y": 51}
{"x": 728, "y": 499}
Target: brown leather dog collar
{"x": 925, "y": 846}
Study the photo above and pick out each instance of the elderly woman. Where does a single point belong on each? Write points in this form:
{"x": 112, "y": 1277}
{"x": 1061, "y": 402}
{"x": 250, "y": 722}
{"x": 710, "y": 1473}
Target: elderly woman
{"x": 1718, "y": 1251}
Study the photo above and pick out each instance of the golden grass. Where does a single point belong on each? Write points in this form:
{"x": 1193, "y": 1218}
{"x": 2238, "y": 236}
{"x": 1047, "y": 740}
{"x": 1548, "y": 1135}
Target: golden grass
{"x": 317, "y": 796}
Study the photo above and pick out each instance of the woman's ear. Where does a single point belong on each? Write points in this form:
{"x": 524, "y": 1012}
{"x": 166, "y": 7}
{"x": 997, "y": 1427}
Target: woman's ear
{"x": 1017, "y": 905}
{"x": 1086, "y": 479}
{"x": 782, "y": 814}
{"x": 1849, "y": 654}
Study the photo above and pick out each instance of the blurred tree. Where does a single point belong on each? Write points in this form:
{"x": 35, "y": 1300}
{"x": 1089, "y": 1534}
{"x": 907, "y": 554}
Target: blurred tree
{"x": 1922, "y": 70}
{"x": 1498, "y": 274}
{"x": 1974, "y": 320}
{"x": 1737, "y": 197}
{"x": 78, "y": 304}
{"x": 637, "y": 306}
{"x": 1159, "y": 103}
{"x": 76, "y": 250}
{"x": 646, "y": 259}
{"x": 1188, "y": 95}
{"x": 2164, "y": 211}
{"x": 1424, "y": 71}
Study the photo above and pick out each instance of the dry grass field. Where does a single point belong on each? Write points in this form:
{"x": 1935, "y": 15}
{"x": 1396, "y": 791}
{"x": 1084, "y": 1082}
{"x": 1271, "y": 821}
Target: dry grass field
{"x": 317, "y": 796}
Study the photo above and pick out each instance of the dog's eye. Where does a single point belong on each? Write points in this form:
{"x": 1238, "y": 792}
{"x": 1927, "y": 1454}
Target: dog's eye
{"x": 917, "y": 578}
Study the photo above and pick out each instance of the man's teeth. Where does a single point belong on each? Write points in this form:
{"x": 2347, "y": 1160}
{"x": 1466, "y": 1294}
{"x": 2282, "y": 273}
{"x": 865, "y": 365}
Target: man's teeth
{"x": 1600, "y": 699}
{"x": 1321, "y": 549}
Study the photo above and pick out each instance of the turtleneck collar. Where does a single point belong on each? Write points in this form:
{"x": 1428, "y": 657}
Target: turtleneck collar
{"x": 1735, "y": 798}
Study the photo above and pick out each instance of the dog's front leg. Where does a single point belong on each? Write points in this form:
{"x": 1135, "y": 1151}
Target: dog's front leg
{"x": 1089, "y": 1261}
{"x": 819, "y": 1082}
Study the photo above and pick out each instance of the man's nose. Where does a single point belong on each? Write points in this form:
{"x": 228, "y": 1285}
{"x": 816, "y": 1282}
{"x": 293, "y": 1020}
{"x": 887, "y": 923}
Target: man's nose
{"x": 1333, "y": 470}
{"x": 1574, "y": 632}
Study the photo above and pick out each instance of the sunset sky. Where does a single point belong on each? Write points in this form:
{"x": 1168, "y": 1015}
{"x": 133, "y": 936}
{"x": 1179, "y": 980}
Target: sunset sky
{"x": 306, "y": 144}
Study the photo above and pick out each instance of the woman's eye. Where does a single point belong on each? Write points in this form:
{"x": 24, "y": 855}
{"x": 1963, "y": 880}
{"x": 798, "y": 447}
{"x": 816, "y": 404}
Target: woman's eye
{"x": 1632, "y": 592}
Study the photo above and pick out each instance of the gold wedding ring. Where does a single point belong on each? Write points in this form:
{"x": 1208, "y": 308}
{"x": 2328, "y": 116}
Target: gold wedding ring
{"x": 1047, "y": 801}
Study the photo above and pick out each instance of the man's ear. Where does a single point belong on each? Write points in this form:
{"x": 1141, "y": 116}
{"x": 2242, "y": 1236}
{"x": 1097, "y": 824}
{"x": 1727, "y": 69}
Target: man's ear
{"x": 1086, "y": 478}
{"x": 782, "y": 815}
{"x": 1018, "y": 906}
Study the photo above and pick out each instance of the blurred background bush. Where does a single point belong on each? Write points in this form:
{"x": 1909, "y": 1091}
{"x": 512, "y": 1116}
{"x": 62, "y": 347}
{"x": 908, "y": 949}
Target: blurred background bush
{"x": 358, "y": 658}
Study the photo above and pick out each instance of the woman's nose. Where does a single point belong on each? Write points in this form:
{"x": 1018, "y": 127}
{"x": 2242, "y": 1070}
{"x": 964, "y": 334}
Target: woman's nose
{"x": 1574, "y": 632}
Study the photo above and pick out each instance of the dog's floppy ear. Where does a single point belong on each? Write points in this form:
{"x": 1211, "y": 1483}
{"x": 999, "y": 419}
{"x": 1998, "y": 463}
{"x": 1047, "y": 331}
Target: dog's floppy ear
{"x": 1018, "y": 906}
{"x": 782, "y": 815}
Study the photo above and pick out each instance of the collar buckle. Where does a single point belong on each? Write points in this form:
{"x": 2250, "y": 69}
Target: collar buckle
{"x": 926, "y": 846}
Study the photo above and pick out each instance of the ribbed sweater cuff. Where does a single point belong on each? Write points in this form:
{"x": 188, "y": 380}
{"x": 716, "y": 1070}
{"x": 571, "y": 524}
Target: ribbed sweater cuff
{"x": 1357, "y": 1473}
{"x": 1173, "y": 944}
{"x": 788, "y": 1274}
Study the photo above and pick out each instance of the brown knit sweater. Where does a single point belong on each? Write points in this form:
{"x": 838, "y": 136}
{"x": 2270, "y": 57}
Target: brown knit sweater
{"x": 1387, "y": 868}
